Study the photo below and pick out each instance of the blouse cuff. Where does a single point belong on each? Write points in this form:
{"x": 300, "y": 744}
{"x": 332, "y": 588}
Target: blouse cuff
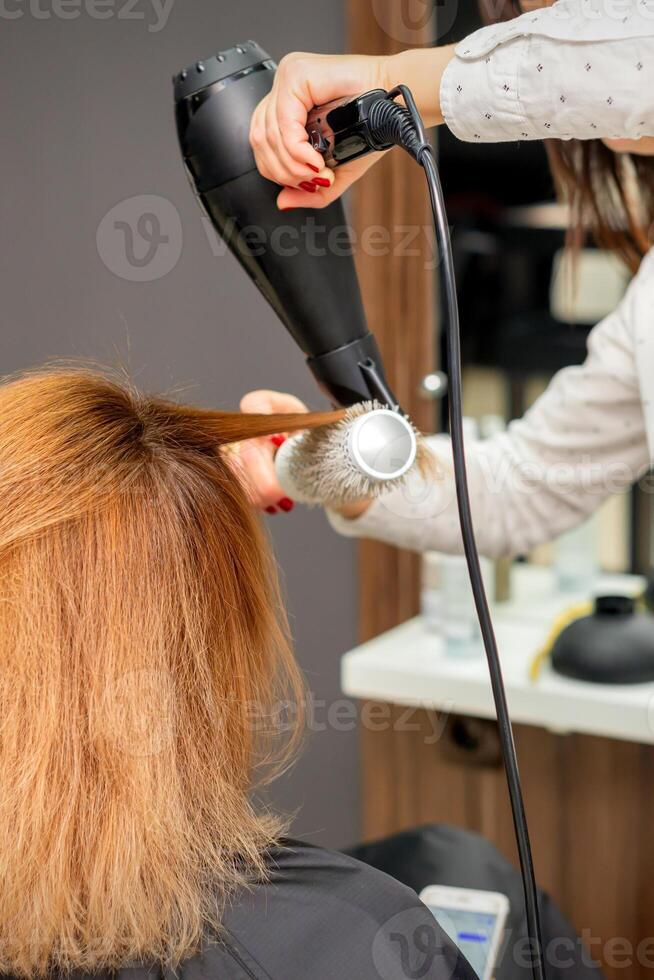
{"x": 422, "y": 513}
{"x": 358, "y": 527}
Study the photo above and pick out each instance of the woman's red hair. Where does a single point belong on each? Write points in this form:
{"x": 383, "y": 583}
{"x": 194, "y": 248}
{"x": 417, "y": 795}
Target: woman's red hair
{"x": 144, "y": 661}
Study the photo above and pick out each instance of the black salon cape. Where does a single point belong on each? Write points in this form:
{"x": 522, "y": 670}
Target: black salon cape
{"x": 326, "y": 916}
{"x": 444, "y": 855}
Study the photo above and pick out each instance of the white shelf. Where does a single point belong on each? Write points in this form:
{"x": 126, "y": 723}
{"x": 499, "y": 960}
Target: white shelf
{"x": 408, "y": 666}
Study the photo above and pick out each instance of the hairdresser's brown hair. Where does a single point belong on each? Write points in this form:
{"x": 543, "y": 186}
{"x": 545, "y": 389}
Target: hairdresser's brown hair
{"x": 610, "y": 195}
{"x": 144, "y": 666}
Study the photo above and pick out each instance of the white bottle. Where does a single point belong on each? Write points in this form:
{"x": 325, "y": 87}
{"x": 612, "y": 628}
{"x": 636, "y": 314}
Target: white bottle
{"x": 576, "y": 565}
{"x": 460, "y": 625}
{"x": 491, "y": 426}
{"x": 461, "y": 631}
{"x": 431, "y": 591}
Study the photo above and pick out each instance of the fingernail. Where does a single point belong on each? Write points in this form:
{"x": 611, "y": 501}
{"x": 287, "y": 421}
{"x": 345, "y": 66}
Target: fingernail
{"x": 321, "y": 182}
{"x": 306, "y": 186}
{"x": 286, "y": 504}
{"x": 278, "y": 440}
{"x": 316, "y": 170}
{"x": 271, "y": 510}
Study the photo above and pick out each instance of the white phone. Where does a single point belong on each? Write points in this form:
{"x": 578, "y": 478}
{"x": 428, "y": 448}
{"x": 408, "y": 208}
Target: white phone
{"x": 474, "y": 921}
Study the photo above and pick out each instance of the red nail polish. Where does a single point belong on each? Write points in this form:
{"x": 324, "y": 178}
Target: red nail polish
{"x": 306, "y": 186}
{"x": 321, "y": 182}
{"x": 271, "y": 510}
{"x": 316, "y": 170}
{"x": 287, "y": 209}
{"x": 278, "y": 440}
{"x": 286, "y": 504}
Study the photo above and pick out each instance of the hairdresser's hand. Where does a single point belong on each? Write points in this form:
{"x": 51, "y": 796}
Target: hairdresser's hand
{"x": 278, "y": 134}
{"x": 257, "y": 456}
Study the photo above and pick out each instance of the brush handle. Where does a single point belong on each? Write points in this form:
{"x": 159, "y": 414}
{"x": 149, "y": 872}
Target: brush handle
{"x": 283, "y": 470}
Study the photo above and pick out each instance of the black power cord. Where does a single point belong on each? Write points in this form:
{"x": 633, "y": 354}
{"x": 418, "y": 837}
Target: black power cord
{"x": 392, "y": 123}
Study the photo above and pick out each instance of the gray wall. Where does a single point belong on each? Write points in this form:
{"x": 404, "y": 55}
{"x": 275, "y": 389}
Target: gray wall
{"x": 87, "y": 123}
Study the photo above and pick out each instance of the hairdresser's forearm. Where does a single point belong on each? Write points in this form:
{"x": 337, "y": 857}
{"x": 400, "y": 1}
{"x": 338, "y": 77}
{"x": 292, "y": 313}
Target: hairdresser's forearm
{"x": 509, "y": 518}
{"x": 422, "y": 70}
{"x": 582, "y": 440}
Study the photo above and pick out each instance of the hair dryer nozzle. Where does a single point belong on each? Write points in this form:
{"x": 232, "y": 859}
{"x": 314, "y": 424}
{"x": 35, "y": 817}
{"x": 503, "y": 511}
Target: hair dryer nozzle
{"x": 347, "y": 372}
{"x": 300, "y": 260}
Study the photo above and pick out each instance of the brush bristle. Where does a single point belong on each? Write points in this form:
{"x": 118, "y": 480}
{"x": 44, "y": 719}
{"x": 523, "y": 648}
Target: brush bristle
{"x": 321, "y": 467}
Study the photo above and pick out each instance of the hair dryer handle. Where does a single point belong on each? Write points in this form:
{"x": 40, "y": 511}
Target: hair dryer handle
{"x": 341, "y": 130}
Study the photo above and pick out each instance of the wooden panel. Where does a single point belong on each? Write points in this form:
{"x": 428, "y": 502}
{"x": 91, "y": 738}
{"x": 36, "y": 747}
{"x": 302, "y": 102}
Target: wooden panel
{"x": 398, "y": 291}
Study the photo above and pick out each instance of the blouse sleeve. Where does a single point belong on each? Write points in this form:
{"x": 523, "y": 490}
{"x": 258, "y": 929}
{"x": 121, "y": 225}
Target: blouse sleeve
{"x": 580, "y": 69}
{"x": 583, "y": 440}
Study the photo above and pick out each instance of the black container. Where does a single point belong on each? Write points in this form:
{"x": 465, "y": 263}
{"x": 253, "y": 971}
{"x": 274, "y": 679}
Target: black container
{"x": 615, "y": 645}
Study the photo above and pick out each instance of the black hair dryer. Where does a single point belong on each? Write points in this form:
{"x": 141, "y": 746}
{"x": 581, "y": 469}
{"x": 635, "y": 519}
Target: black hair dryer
{"x": 313, "y": 286}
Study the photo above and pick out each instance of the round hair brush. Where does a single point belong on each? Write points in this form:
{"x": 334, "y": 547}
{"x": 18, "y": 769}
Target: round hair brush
{"x": 370, "y": 451}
